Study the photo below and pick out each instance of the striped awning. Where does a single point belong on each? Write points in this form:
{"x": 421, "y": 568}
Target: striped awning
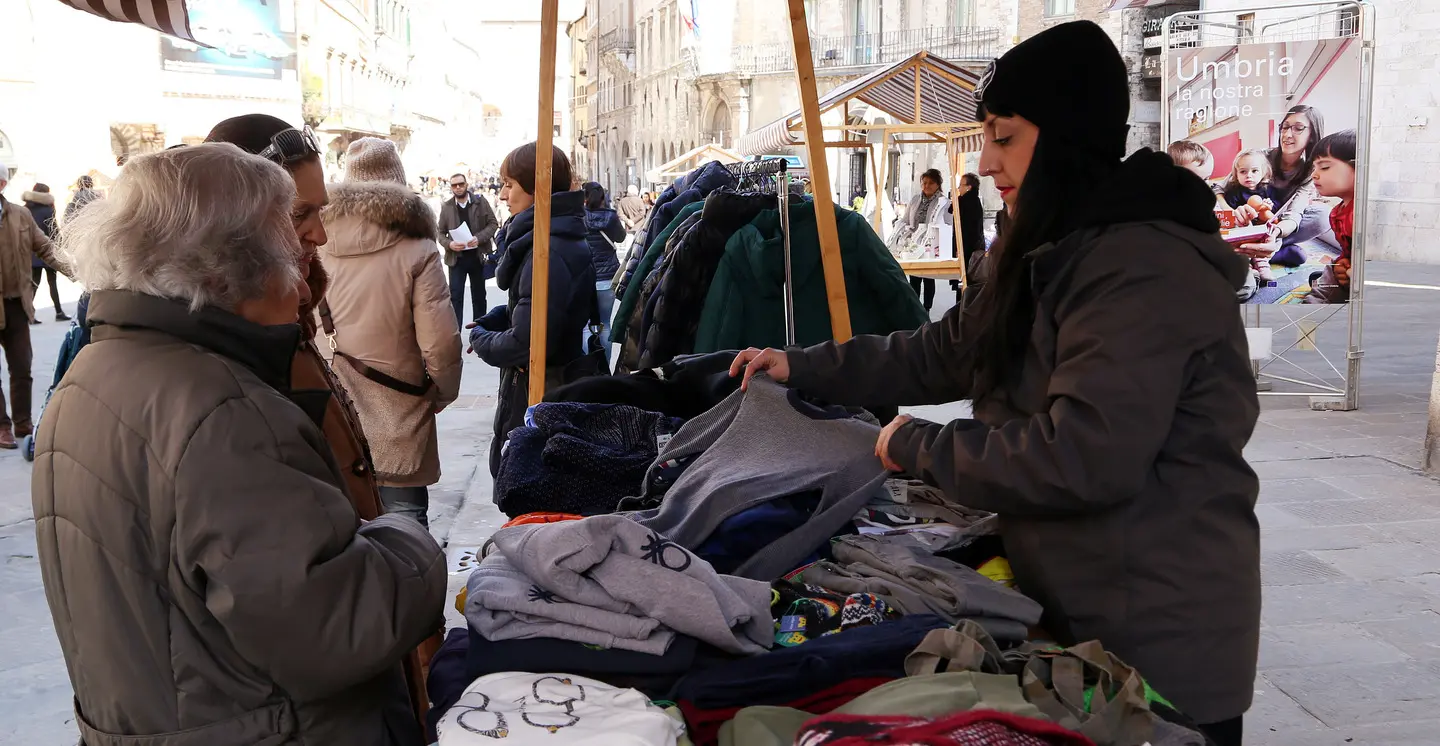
{"x": 947, "y": 100}
{"x": 1128, "y": 4}
{"x": 166, "y": 16}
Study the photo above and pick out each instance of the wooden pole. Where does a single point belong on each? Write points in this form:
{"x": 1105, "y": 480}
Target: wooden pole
{"x": 544, "y": 176}
{"x": 918, "y": 112}
{"x": 952, "y": 152}
{"x": 819, "y": 174}
{"x": 874, "y": 200}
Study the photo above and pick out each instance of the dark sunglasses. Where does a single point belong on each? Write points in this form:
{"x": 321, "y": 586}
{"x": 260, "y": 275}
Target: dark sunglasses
{"x": 289, "y": 146}
{"x": 457, "y": 184}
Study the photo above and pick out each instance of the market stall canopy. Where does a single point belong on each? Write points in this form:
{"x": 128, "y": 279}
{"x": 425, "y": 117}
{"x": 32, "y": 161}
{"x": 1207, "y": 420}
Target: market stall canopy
{"x": 923, "y": 89}
{"x": 1128, "y": 4}
{"x": 689, "y": 161}
{"x": 169, "y": 17}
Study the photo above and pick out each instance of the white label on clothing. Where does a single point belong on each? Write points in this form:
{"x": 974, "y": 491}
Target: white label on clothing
{"x": 899, "y": 491}
{"x": 661, "y": 441}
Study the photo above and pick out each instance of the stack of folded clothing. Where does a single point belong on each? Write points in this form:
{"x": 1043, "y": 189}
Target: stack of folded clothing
{"x": 902, "y": 571}
{"x": 546, "y": 708}
{"x": 578, "y": 458}
{"x": 610, "y": 582}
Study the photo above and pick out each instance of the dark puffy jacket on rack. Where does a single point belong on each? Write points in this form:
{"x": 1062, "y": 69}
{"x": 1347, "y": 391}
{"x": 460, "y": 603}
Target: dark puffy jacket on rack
{"x": 746, "y": 303}
{"x": 572, "y": 297}
{"x": 600, "y": 225}
{"x": 673, "y": 316}
{"x": 695, "y": 187}
{"x": 631, "y": 304}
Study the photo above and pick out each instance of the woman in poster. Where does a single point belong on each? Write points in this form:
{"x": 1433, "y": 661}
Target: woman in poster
{"x": 1300, "y": 217}
{"x": 1111, "y": 382}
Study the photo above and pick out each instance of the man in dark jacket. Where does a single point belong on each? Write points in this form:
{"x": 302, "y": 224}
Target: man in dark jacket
{"x": 467, "y": 260}
{"x": 41, "y": 204}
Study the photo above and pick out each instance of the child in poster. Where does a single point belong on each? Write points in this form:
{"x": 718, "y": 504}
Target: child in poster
{"x": 1334, "y": 177}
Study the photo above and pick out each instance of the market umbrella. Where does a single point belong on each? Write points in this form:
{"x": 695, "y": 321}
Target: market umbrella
{"x": 166, "y": 16}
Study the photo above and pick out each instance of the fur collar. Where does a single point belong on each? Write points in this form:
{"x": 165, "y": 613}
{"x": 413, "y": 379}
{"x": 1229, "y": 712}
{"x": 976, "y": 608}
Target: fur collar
{"x": 390, "y": 206}
{"x": 39, "y": 198}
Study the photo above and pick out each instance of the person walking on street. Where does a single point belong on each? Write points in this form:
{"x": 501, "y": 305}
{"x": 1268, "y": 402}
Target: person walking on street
{"x": 84, "y": 194}
{"x": 1111, "y": 381}
{"x": 631, "y": 209}
{"x": 604, "y": 229}
{"x": 41, "y": 204}
{"x": 468, "y": 260}
{"x": 206, "y": 575}
{"x": 389, "y": 320}
{"x": 21, "y": 241}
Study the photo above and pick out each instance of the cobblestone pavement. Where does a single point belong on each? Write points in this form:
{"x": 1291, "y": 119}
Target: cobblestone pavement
{"x": 1350, "y": 644}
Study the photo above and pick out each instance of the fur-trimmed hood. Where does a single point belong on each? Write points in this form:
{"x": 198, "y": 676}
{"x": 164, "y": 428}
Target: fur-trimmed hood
{"x": 39, "y": 198}
{"x": 363, "y": 218}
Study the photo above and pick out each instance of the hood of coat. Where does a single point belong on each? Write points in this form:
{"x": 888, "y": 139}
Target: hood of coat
{"x": 567, "y": 221}
{"x": 596, "y": 220}
{"x": 765, "y": 260}
{"x": 366, "y": 217}
{"x": 1149, "y": 187}
{"x": 39, "y": 198}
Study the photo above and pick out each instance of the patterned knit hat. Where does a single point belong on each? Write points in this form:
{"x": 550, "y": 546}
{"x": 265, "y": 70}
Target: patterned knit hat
{"x": 373, "y": 159}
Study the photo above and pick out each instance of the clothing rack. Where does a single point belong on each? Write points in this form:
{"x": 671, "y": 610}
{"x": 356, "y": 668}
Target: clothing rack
{"x": 756, "y": 177}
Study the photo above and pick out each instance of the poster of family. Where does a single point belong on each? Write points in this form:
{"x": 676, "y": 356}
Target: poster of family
{"x": 1272, "y": 128}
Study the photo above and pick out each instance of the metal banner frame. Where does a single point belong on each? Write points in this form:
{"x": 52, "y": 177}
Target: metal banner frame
{"x": 1353, "y": 19}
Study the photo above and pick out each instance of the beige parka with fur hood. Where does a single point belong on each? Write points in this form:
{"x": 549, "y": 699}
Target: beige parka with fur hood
{"x": 390, "y": 305}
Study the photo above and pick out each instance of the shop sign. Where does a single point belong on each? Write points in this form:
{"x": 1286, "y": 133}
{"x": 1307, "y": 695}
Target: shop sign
{"x": 1154, "y": 29}
{"x": 245, "y": 38}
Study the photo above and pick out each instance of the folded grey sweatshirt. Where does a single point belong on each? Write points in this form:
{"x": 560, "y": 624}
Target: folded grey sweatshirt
{"x": 900, "y": 569}
{"x": 608, "y": 575}
{"x": 759, "y": 445}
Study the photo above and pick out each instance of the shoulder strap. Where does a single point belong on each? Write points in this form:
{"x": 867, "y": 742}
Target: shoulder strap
{"x": 327, "y": 322}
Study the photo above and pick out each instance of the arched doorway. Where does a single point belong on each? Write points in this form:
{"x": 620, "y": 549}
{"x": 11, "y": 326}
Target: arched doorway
{"x": 719, "y": 125}
{"x": 625, "y": 169}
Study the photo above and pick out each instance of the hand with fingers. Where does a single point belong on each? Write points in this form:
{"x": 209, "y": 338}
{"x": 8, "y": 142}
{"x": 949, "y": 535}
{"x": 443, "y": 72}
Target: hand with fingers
{"x": 770, "y": 361}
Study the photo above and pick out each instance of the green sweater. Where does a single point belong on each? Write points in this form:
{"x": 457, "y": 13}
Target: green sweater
{"x": 746, "y": 304}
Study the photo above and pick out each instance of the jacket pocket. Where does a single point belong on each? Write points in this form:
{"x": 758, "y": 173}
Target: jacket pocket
{"x": 272, "y": 725}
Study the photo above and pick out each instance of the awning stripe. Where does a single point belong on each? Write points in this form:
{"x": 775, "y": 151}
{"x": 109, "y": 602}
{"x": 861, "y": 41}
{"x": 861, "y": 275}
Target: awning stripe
{"x": 166, "y": 16}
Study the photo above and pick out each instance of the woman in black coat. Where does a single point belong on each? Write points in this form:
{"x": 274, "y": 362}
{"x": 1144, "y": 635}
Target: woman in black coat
{"x": 970, "y": 233}
{"x": 1110, "y": 380}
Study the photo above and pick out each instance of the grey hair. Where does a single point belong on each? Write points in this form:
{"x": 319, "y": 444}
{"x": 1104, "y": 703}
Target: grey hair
{"x": 208, "y": 225}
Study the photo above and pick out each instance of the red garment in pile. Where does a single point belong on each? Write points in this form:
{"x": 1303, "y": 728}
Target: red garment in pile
{"x": 974, "y": 728}
{"x": 1342, "y": 221}
{"x": 704, "y": 725}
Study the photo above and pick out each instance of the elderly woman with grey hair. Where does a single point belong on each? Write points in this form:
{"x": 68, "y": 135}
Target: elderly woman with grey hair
{"x": 209, "y": 581}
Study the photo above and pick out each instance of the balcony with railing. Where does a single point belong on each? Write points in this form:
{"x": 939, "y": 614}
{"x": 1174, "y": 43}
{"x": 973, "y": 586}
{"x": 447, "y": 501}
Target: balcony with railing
{"x": 619, "y": 40}
{"x": 873, "y": 50}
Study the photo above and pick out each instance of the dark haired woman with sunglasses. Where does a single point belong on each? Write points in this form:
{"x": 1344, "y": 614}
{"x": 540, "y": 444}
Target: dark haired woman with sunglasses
{"x": 1111, "y": 385}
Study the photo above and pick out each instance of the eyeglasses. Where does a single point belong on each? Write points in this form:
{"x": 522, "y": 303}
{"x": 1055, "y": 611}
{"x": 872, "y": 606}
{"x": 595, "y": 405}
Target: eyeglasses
{"x": 457, "y": 183}
{"x": 291, "y": 145}
{"x": 1298, "y": 129}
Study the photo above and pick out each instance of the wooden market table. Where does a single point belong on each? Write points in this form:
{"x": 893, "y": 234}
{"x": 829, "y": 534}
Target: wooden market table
{"x": 935, "y": 269}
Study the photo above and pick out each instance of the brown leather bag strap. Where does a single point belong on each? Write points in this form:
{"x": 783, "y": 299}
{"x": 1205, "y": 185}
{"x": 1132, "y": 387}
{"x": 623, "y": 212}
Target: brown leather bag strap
{"x": 327, "y": 323}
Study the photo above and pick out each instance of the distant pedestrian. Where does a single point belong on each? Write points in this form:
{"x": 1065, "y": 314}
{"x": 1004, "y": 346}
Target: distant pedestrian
{"x": 468, "y": 260}
{"x": 631, "y": 209}
{"x": 205, "y": 573}
{"x": 21, "y": 240}
{"x": 41, "y": 204}
{"x": 84, "y": 194}
{"x": 603, "y": 231}
{"x": 397, "y": 346}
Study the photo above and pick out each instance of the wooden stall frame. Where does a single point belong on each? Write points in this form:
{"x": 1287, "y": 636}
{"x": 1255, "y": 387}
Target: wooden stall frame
{"x": 544, "y": 177}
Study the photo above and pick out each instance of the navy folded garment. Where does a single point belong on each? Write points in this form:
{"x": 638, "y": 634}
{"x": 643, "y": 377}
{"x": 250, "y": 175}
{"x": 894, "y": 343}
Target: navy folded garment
{"x": 544, "y": 655}
{"x": 787, "y": 674}
{"x": 447, "y": 680}
{"x": 743, "y": 535}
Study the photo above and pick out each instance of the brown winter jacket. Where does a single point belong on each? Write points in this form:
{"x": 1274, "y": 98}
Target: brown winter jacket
{"x": 209, "y": 581}
{"x": 1116, "y": 466}
{"x": 391, "y": 309}
{"x": 20, "y": 241}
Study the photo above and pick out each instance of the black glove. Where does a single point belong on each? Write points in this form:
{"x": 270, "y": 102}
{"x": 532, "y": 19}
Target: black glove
{"x": 497, "y": 320}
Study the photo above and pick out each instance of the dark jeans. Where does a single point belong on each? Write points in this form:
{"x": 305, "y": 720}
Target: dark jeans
{"x": 1226, "y": 732}
{"x": 468, "y": 265}
{"x": 54, "y": 289}
{"x": 411, "y": 501}
{"x": 925, "y": 289}
{"x": 15, "y": 339}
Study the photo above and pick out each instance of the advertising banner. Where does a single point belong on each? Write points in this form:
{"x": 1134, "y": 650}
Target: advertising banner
{"x": 246, "y": 38}
{"x": 1272, "y": 127}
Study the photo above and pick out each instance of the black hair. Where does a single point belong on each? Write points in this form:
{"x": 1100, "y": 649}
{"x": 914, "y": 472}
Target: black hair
{"x": 463, "y": 176}
{"x": 972, "y": 179}
{"x": 252, "y": 133}
{"x": 519, "y": 167}
{"x": 594, "y": 195}
{"x": 1050, "y": 204}
{"x": 1340, "y": 146}
{"x": 1316, "y": 121}
{"x": 934, "y": 175}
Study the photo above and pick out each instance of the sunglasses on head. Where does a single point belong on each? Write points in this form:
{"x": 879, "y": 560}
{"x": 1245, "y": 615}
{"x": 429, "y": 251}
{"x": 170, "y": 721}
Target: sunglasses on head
{"x": 291, "y": 145}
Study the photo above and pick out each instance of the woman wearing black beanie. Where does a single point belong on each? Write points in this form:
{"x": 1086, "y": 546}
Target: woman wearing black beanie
{"x": 1111, "y": 384}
